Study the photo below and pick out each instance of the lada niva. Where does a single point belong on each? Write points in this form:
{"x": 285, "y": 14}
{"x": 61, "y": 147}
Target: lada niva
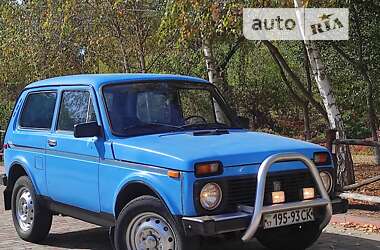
{"x": 163, "y": 162}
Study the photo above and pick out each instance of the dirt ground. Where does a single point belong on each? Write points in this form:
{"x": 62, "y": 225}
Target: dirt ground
{"x": 364, "y": 169}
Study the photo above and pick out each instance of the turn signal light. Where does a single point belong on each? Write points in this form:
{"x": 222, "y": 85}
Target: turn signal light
{"x": 278, "y": 197}
{"x": 208, "y": 169}
{"x": 174, "y": 174}
{"x": 322, "y": 158}
{"x": 308, "y": 193}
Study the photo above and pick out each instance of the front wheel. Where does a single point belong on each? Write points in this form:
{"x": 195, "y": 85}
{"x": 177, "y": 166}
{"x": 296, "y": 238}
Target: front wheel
{"x": 295, "y": 237}
{"x": 145, "y": 223}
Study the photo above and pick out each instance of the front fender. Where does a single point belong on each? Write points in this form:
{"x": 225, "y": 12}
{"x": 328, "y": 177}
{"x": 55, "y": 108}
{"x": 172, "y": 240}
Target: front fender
{"x": 166, "y": 188}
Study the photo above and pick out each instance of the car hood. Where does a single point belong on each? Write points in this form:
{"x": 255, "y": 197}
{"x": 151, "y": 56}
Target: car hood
{"x": 183, "y": 149}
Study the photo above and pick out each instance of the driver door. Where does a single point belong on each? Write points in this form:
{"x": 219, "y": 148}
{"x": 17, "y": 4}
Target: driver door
{"x": 72, "y": 163}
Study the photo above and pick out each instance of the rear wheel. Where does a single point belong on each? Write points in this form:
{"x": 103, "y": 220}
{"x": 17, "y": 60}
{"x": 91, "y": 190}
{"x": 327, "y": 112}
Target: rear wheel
{"x": 295, "y": 237}
{"x": 31, "y": 220}
{"x": 144, "y": 223}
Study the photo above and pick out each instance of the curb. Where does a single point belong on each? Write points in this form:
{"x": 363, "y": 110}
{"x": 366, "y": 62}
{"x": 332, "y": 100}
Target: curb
{"x": 361, "y": 220}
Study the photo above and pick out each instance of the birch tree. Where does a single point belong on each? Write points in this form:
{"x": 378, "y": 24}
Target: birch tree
{"x": 345, "y": 170}
{"x": 206, "y": 23}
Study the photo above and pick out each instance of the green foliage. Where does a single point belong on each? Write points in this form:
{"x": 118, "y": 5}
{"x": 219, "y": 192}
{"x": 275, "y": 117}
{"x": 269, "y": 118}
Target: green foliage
{"x": 46, "y": 38}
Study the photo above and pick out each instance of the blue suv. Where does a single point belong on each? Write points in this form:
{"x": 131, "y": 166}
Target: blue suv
{"x": 163, "y": 162}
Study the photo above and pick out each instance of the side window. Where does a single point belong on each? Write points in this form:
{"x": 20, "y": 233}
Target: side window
{"x": 38, "y": 110}
{"x": 76, "y": 107}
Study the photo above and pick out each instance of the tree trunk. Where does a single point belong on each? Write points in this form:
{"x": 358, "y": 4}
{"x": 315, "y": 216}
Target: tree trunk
{"x": 125, "y": 60}
{"x": 212, "y": 72}
{"x": 372, "y": 119}
{"x": 306, "y": 121}
{"x": 309, "y": 89}
{"x": 360, "y": 197}
{"x": 345, "y": 170}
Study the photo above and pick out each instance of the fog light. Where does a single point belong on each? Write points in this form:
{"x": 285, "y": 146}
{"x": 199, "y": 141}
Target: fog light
{"x": 308, "y": 193}
{"x": 278, "y": 197}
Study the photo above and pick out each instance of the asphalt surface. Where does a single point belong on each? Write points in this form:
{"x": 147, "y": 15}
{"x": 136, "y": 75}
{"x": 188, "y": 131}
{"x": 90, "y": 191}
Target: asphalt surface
{"x": 68, "y": 233}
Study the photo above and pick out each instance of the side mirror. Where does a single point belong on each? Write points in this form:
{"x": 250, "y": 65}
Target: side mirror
{"x": 244, "y": 122}
{"x": 89, "y": 129}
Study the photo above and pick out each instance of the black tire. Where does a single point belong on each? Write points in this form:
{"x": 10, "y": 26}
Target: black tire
{"x": 295, "y": 237}
{"x": 134, "y": 212}
{"x": 41, "y": 218}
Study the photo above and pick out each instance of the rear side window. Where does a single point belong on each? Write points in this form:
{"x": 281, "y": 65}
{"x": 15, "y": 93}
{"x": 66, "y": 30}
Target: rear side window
{"x": 38, "y": 110}
{"x": 76, "y": 107}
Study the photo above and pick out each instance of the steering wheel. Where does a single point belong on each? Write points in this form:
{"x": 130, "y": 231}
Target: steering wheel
{"x": 186, "y": 120}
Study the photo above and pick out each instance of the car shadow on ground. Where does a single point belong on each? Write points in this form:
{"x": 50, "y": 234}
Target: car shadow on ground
{"x": 97, "y": 238}
{"x": 94, "y": 238}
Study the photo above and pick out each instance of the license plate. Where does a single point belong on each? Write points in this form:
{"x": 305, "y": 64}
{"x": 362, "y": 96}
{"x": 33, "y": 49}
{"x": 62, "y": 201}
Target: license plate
{"x": 288, "y": 218}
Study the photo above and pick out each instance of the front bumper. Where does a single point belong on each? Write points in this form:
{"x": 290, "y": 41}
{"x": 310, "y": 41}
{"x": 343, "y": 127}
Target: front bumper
{"x": 238, "y": 221}
{"x": 253, "y": 215}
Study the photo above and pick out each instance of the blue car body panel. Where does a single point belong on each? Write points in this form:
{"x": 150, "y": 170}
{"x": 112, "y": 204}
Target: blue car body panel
{"x": 182, "y": 150}
{"x": 73, "y": 162}
{"x": 28, "y": 149}
{"x": 89, "y": 173}
{"x": 115, "y": 175}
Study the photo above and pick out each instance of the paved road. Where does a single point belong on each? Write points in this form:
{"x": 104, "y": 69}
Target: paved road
{"x": 68, "y": 233}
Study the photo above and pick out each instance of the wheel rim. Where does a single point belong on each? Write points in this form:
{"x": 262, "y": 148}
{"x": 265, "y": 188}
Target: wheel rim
{"x": 24, "y": 209}
{"x": 150, "y": 231}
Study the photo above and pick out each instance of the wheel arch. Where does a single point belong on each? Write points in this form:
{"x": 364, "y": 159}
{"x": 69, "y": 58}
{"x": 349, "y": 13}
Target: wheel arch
{"x": 16, "y": 170}
{"x": 134, "y": 189}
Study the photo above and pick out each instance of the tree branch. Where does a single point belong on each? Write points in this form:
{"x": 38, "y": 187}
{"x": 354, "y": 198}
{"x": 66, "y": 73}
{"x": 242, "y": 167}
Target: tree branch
{"x": 231, "y": 52}
{"x": 295, "y": 79}
{"x": 284, "y": 78}
{"x": 362, "y": 183}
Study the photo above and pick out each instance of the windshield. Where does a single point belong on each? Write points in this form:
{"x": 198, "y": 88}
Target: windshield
{"x": 156, "y": 107}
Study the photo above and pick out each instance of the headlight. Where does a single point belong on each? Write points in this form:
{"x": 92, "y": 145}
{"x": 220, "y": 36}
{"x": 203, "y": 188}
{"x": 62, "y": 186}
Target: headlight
{"x": 327, "y": 180}
{"x": 210, "y": 196}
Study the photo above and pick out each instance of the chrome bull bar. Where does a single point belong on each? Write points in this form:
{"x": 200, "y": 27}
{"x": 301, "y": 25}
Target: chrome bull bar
{"x": 259, "y": 209}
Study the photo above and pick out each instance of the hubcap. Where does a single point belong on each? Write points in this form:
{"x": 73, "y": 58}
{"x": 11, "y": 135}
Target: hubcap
{"x": 150, "y": 231}
{"x": 24, "y": 209}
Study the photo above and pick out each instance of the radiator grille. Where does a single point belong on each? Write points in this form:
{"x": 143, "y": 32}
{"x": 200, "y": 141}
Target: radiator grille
{"x": 242, "y": 190}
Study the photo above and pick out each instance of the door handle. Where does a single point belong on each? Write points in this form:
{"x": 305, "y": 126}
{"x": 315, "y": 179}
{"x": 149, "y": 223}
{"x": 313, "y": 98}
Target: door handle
{"x": 52, "y": 142}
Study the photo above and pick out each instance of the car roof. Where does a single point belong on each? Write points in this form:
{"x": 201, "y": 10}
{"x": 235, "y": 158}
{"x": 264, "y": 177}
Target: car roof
{"x": 97, "y": 80}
